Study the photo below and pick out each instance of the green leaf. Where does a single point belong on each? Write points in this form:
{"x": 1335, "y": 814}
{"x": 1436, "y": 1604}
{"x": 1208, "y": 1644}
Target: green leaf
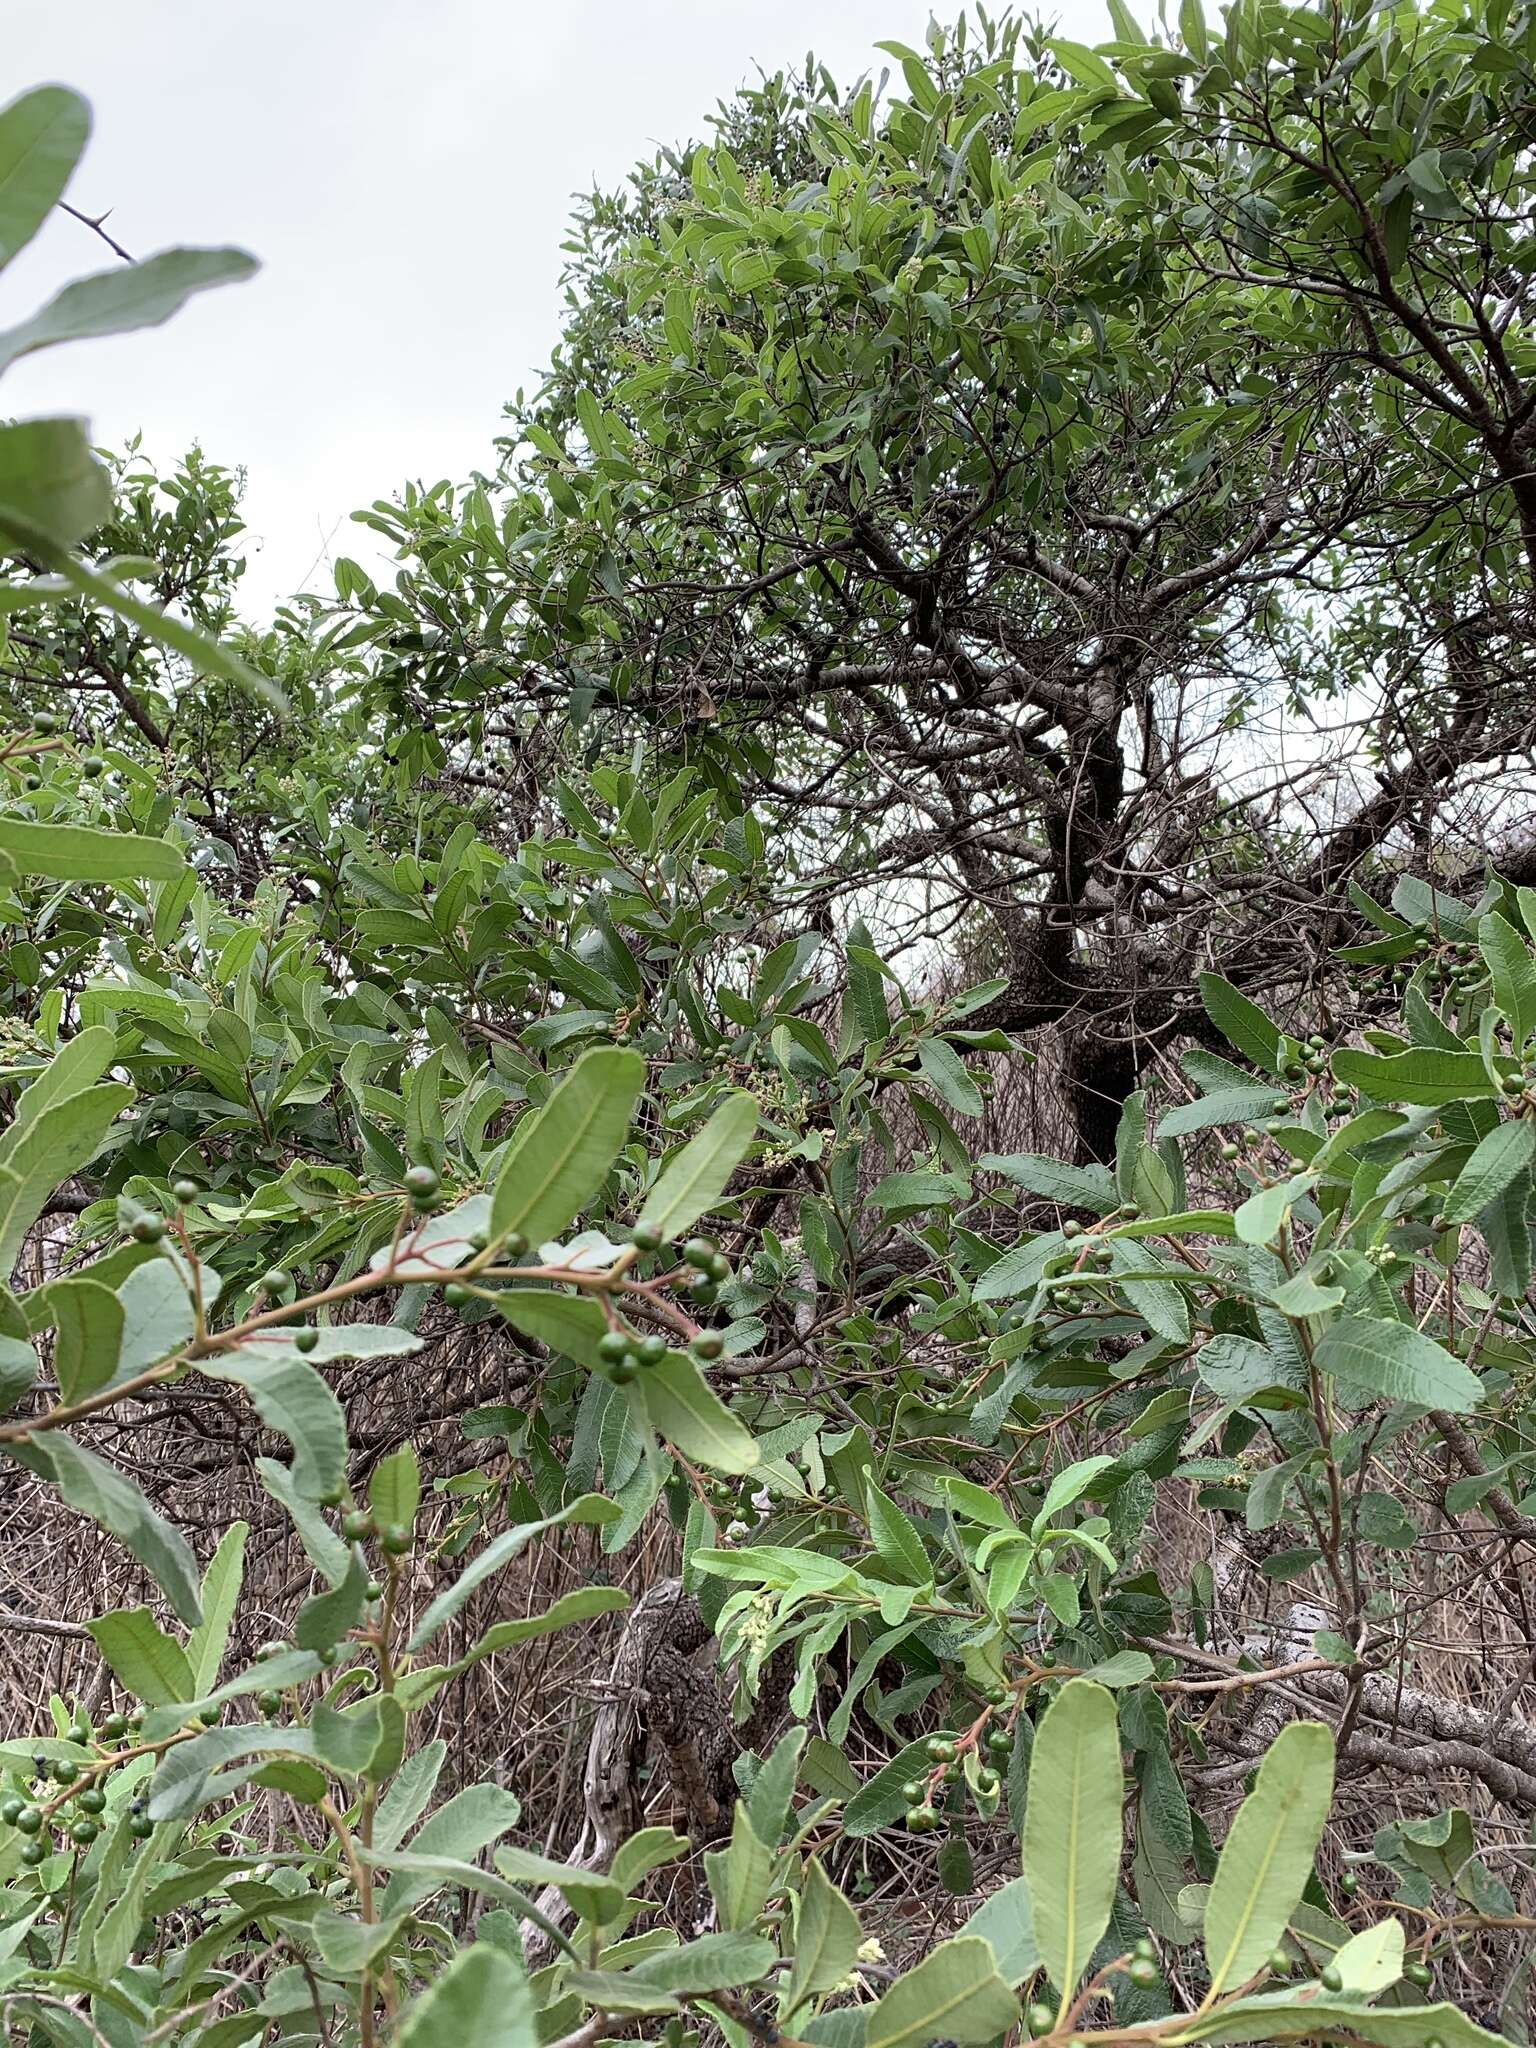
{"x": 881, "y": 1801}
{"x": 42, "y": 137}
{"x": 773, "y": 1789}
{"x": 1371, "y": 1960}
{"x": 464, "y": 1825}
{"x": 740, "y": 1876}
{"x": 81, "y": 853}
{"x": 394, "y": 1489}
{"x": 711, "y": 1962}
{"x": 1397, "y": 1362}
{"x": 220, "y": 1592}
{"x": 1513, "y": 972}
{"x": 61, "y": 1139}
{"x": 866, "y": 986}
{"x": 1308, "y": 2011}
{"x": 482, "y": 1997}
{"x": 1074, "y": 1187}
{"x": 1260, "y": 1219}
{"x": 118, "y": 301}
{"x": 590, "y": 1508}
{"x": 561, "y": 1154}
{"x": 694, "y": 1181}
{"x": 949, "y": 1078}
{"x": 1267, "y": 1857}
{"x": 150, "y": 1664}
{"x": 897, "y": 1543}
{"x": 292, "y": 1398}
{"x": 1072, "y": 1835}
{"x": 955, "y": 1994}
{"x": 1243, "y": 1023}
{"x": 1422, "y": 1075}
{"x": 1070, "y": 1484}
{"x": 827, "y": 1937}
{"x": 325, "y": 1618}
{"x": 89, "y": 1320}
{"x": 1495, "y": 1165}
{"x": 88, "y": 1483}
{"x": 49, "y": 476}
{"x": 582, "y": 1603}
{"x": 1006, "y": 1921}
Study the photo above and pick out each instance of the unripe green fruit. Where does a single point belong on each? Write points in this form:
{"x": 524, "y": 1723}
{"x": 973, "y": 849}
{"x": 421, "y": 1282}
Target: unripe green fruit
{"x": 1253, "y": 1139}
{"x": 700, "y": 1253}
{"x": 9, "y": 1809}
{"x": 914, "y": 1792}
{"x": 1231, "y": 1151}
{"x": 1279, "y": 1962}
{"x": 93, "y": 765}
{"x": 357, "y": 1525}
{"x": 653, "y": 1349}
{"x": 33, "y": 1853}
{"x": 373, "y": 1590}
{"x": 615, "y": 1345}
{"x": 1144, "y": 1947}
{"x": 185, "y": 1191}
{"x": 1418, "y": 1973}
{"x": 147, "y": 1229}
{"x": 986, "y": 1782}
{"x": 1349, "y": 1884}
{"x": 306, "y": 1337}
{"x": 997, "y": 1696}
{"x": 999, "y": 1741}
{"x": 1047, "y": 1660}
{"x": 1042, "y": 2018}
{"x": 514, "y": 1244}
{"x": 209, "y": 1715}
{"x": 141, "y": 1827}
{"x": 274, "y": 1281}
{"x": 92, "y": 1800}
{"x": 396, "y": 1540}
{"x": 115, "y": 1727}
{"x": 621, "y": 1372}
{"x": 62, "y": 1771}
{"x": 268, "y": 1650}
{"x": 269, "y": 1703}
{"x": 84, "y": 1832}
{"x": 29, "y": 1820}
{"x": 455, "y": 1296}
{"x": 1332, "y": 1979}
{"x": 328, "y": 1655}
{"x": 422, "y": 1183}
{"x": 1071, "y": 1228}
{"x": 1143, "y": 1973}
{"x": 940, "y": 1749}
{"x": 708, "y": 1344}
{"x": 44, "y": 722}
{"x": 719, "y": 1269}
{"x": 703, "y": 1290}
{"x": 645, "y": 1237}
{"x": 477, "y": 1240}
{"x": 1512, "y": 1084}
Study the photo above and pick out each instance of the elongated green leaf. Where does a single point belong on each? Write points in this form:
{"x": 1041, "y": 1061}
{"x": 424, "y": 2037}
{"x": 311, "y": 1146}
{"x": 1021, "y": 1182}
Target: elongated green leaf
{"x": 152, "y": 1665}
{"x": 86, "y": 1482}
{"x": 117, "y": 301}
{"x": 1267, "y": 1857}
{"x": 827, "y": 1937}
{"x": 482, "y": 1997}
{"x": 58, "y": 1142}
{"x": 1075, "y": 1187}
{"x": 1007, "y": 1922}
{"x": 81, "y": 853}
{"x": 955, "y": 1994}
{"x": 1242, "y": 1022}
{"x": 695, "y": 1180}
{"x": 1309, "y": 2010}
{"x": 1422, "y": 1075}
{"x": 1398, "y": 1362}
{"x": 42, "y": 137}
{"x": 583, "y": 1603}
{"x": 1072, "y": 1829}
{"x": 1495, "y": 1165}
{"x": 560, "y": 1155}
{"x": 467, "y": 1823}
{"x": 76, "y": 1066}
{"x": 1513, "y": 971}
{"x": 221, "y": 1590}
{"x": 712, "y": 1962}
{"x": 49, "y": 476}
{"x": 89, "y": 1320}
{"x": 291, "y": 1397}
{"x": 590, "y": 1508}
{"x": 394, "y": 1489}
{"x": 1371, "y": 1960}
{"x": 949, "y": 1078}
{"x": 897, "y": 1543}
{"x": 740, "y": 1875}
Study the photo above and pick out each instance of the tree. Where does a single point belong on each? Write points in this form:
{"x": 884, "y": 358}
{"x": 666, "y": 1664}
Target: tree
{"x": 444, "y": 1216}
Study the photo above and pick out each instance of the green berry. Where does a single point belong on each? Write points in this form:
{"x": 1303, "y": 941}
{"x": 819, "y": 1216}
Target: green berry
{"x": 986, "y": 1782}
{"x": 269, "y": 1650}
{"x": 357, "y": 1525}
{"x": 478, "y": 1240}
{"x": 615, "y": 1345}
{"x": 373, "y": 1590}
{"x": 999, "y": 1741}
{"x": 645, "y": 1237}
{"x": 719, "y": 1269}
{"x": 1143, "y": 1973}
{"x": 185, "y": 1191}
{"x": 141, "y": 1827}
{"x": 93, "y": 765}
{"x": 147, "y": 1229}
{"x": 422, "y": 1183}
{"x": 274, "y": 1281}
{"x": 1071, "y": 1228}
{"x": 29, "y": 1820}
{"x": 114, "y": 1727}
{"x": 1230, "y": 1151}
{"x": 1332, "y": 1979}
{"x": 621, "y": 1372}
{"x": 1349, "y": 1884}
{"x": 708, "y": 1344}
{"x": 44, "y": 722}
{"x": 209, "y": 1715}
{"x": 396, "y": 1540}
{"x": 84, "y": 1832}
{"x": 92, "y": 1800}
{"x": 700, "y": 1253}
{"x": 62, "y": 1771}
{"x": 940, "y": 1749}
{"x": 1512, "y": 1084}
{"x": 1418, "y": 1973}
{"x": 1047, "y": 1660}
{"x": 1145, "y": 1947}
{"x": 306, "y": 1337}
{"x": 9, "y": 1809}
{"x": 328, "y": 1655}
{"x": 653, "y": 1349}
{"x": 1042, "y": 2018}
{"x": 1279, "y": 1962}
{"x": 514, "y": 1244}
{"x": 269, "y": 1703}
{"x": 914, "y": 1792}
{"x": 33, "y": 1853}
{"x": 703, "y": 1290}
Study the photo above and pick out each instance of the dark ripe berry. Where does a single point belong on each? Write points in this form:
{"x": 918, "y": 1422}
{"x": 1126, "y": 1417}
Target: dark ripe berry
{"x": 39, "y": 1765}
{"x": 357, "y": 1525}
{"x": 92, "y": 1800}
{"x": 274, "y": 1281}
{"x": 147, "y": 1229}
{"x": 29, "y": 1820}
{"x": 1143, "y": 1973}
{"x": 1071, "y": 1228}
{"x": 653, "y": 1349}
{"x": 141, "y": 1827}
{"x": 9, "y": 1808}
{"x": 422, "y": 1182}
{"x": 614, "y": 1345}
{"x": 646, "y": 1237}
{"x": 269, "y": 1703}
{"x": 940, "y": 1749}
{"x": 455, "y": 1296}
{"x": 514, "y": 1244}
{"x": 33, "y": 1853}
{"x": 708, "y": 1344}
{"x": 914, "y": 1792}
{"x": 1332, "y": 1979}
{"x": 306, "y": 1337}
{"x": 396, "y": 1540}
{"x": 136, "y": 1806}
{"x": 1279, "y": 1963}
{"x": 700, "y": 1253}
{"x": 185, "y": 1191}
{"x": 32, "y": 782}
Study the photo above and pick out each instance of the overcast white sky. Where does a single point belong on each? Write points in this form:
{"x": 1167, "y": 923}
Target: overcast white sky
{"x": 403, "y": 169}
